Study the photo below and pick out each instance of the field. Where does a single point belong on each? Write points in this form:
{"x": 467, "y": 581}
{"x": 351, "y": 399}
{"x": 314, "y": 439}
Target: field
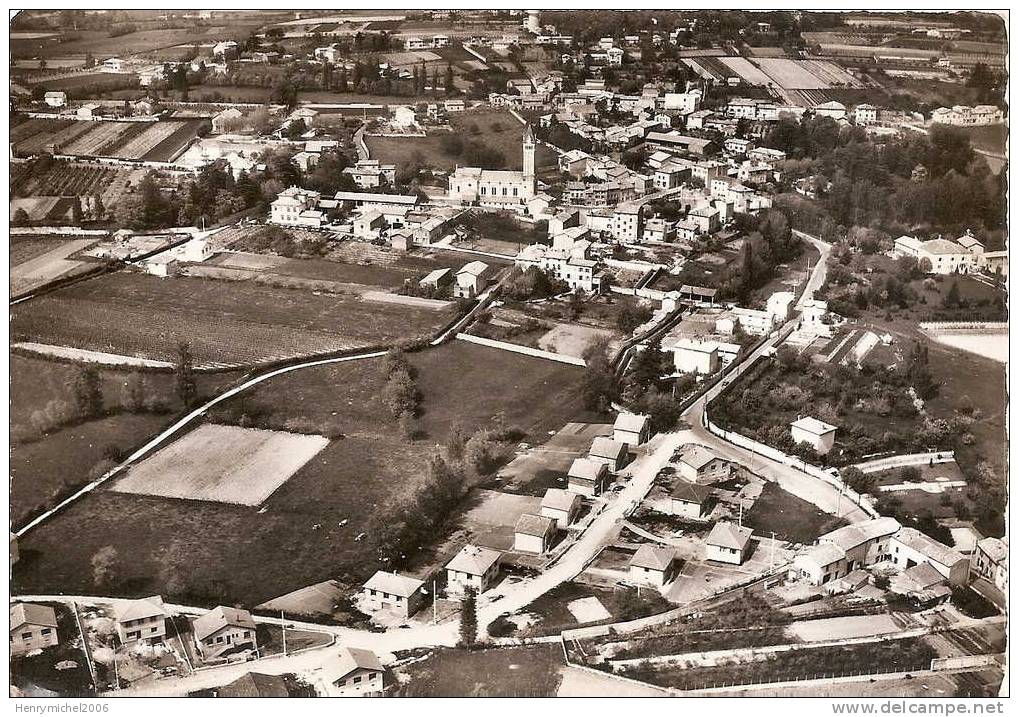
{"x": 306, "y": 532}
{"x": 36, "y": 261}
{"x": 222, "y": 464}
{"x": 227, "y": 323}
{"x": 153, "y": 141}
{"x": 806, "y": 74}
{"x": 66, "y": 178}
{"x": 750, "y": 73}
{"x": 790, "y": 518}
{"x": 100, "y": 43}
{"x": 498, "y": 129}
{"x": 511, "y": 672}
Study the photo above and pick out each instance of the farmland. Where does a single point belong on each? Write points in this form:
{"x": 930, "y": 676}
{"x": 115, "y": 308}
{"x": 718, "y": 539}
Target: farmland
{"x": 65, "y": 178}
{"x": 37, "y": 261}
{"x": 305, "y": 532}
{"x": 227, "y": 323}
{"x": 153, "y": 141}
{"x": 222, "y": 464}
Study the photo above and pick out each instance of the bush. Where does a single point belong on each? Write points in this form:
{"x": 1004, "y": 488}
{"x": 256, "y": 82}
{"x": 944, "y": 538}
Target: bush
{"x": 501, "y": 627}
{"x": 910, "y": 474}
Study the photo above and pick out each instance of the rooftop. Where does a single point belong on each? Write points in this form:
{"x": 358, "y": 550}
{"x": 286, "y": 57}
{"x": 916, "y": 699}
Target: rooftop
{"x": 215, "y": 620}
{"x": 393, "y": 584}
{"x": 697, "y": 456}
{"x": 851, "y": 536}
{"x": 812, "y": 425}
{"x": 729, "y": 535}
{"x": 655, "y": 558}
{"x": 529, "y": 524}
{"x": 474, "y": 560}
{"x": 605, "y": 447}
{"x": 32, "y": 614}
{"x": 140, "y": 609}
{"x": 631, "y": 422}
{"x": 559, "y": 499}
{"x": 354, "y": 658}
{"x": 929, "y": 547}
{"x": 586, "y": 469}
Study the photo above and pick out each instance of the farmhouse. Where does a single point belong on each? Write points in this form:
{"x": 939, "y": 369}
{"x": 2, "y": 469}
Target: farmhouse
{"x": 818, "y": 434}
{"x": 833, "y": 109}
{"x": 400, "y": 594}
{"x": 33, "y": 627}
{"x": 942, "y": 255}
{"x": 561, "y": 506}
{"x": 587, "y": 476}
{"x": 533, "y": 533}
{"x": 632, "y": 429}
{"x": 473, "y": 567}
{"x": 699, "y": 465}
{"x": 653, "y": 566}
{"x": 612, "y": 453}
{"x": 225, "y": 120}
{"x": 727, "y": 543}
{"x": 143, "y": 620}
{"x": 909, "y": 547}
{"x": 496, "y": 188}
{"x": 689, "y": 500}
{"x": 296, "y": 207}
{"x": 846, "y": 549}
{"x": 696, "y": 146}
{"x": 820, "y": 564}
{"x": 370, "y": 173}
{"x": 224, "y": 629}
{"x": 255, "y": 684}
{"x": 361, "y": 673}
{"x": 437, "y": 279}
{"x": 963, "y": 116}
{"x": 87, "y": 111}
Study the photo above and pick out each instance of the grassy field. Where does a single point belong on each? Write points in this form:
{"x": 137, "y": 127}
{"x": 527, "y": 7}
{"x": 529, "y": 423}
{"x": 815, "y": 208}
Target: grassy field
{"x": 498, "y": 129}
{"x": 100, "y": 43}
{"x": 791, "y": 518}
{"x": 227, "y": 323}
{"x": 510, "y": 672}
{"x": 306, "y": 531}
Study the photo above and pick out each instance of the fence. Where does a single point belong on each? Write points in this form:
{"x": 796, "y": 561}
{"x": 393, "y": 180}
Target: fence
{"x": 525, "y": 350}
{"x": 964, "y": 662}
{"x": 890, "y": 673}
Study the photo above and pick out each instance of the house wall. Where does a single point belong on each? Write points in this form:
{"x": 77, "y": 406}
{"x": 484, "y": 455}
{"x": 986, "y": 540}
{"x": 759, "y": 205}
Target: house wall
{"x": 647, "y": 576}
{"x": 362, "y": 683}
{"x": 683, "y": 508}
{"x": 584, "y": 487}
{"x": 378, "y": 600}
{"x": 227, "y": 637}
{"x": 458, "y": 581}
{"x": 529, "y": 543}
{"x": 147, "y": 629}
{"x": 905, "y": 557}
{"x": 723, "y": 555}
{"x": 821, "y": 444}
{"x": 32, "y": 637}
{"x": 630, "y": 438}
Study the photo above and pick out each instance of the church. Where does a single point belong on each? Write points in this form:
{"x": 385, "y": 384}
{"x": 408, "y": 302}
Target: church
{"x": 507, "y": 189}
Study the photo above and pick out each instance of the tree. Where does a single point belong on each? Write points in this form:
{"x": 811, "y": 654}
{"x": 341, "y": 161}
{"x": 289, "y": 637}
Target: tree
{"x": 857, "y": 480}
{"x": 21, "y": 218}
{"x": 187, "y": 388}
{"x": 600, "y": 386}
{"x": 469, "y": 620}
{"x": 457, "y": 440}
{"x": 951, "y": 300}
{"x": 88, "y": 393}
{"x": 910, "y": 474}
{"x": 450, "y": 86}
{"x": 134, "y": 392}
{"x": 105, "y": 562}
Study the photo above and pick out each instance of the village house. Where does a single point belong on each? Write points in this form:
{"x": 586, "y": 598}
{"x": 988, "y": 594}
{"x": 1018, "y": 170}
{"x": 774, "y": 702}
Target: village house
{"x": 255, "y": 684}
{"x": 693, "y": 356}
{"x": 471, "y": 280}
{"x": 370, "y": 173}
{"x": 728, "y": 543}
{"x": 143, "y": 620}
{"x": 55, "y": 99}
{"x": 533, "y": 533}
{"x": 33, "y": 627}
{"x": 922, "y": 585}
{"x": 699, "y": 465}
{"x": 361, "y": 673}
{"x": 473, "y": 567}
{"x": 561, "y": 506}
{"x": 990, "y": 561}
{"x": 942, "y": 256}
{"x": 846, "y": 549}
{"x": 587, "y": 476}
{"x": 632, "y": 429}
{"x": 436, "y": 280}
{"x": 689, "y": 500}
{"x": 652, "y": 565}
{"x": 909, "y": 547}
{"x": 87, "y": 111}
{"x": 146, "y": 106}
{"x": 225, "y": 119}
{"x": 817, "y": 434}
{"x": 224, "y": 629}
{"x": 400, "y": 594}
{"x": 612, "y": 453}
{"x": 296, "y": 207}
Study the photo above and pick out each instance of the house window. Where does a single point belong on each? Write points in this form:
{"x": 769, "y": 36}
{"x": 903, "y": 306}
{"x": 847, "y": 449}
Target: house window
{"x": 26, "y": 636}
{"x": 483, "y": 190}
{"x": 46, "y": 631}
{"x": 357, "y": 679}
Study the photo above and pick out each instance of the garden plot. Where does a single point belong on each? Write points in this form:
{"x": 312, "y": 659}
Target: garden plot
{"x": 806, "y": 74}
{"x": 57, "y": 139}
{"x": 832, "y": 74}
{"x": 748, "y": 71}
{"x": 92, "y": 142}
{"x": 147, "y": 140}
{"x": 223, "y": 464}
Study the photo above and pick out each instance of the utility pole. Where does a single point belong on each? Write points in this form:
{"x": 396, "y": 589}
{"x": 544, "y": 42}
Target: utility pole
{"x": 435, "y": 601}
{"x": 283, "y": 622}
{"x": 771, "y": 561}
{"x": 741, "y": 512}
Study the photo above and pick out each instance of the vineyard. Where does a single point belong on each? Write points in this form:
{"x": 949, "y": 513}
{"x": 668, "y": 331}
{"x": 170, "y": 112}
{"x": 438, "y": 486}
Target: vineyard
{"x": 226, "y": 323}
{"x": 149, "y": 141}
{"x": 73, "y": 179}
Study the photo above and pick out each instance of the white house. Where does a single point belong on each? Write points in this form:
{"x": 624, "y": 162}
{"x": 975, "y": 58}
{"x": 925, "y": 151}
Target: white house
{"x": 652, "y": 565}
{"x": 471, "y": 280}
{"x": 779, "y": 304}
{"x": 728, "y": 543}
{"x": 990, "y": 561}
{"x": 295, "y": 206}
{"x": 632, "y": 429}
{"x": 473, "y": 567}
{"x": 944, "y": 256}
{"x": 400, "y": 594}
{"x": 692, "y": 356}
{"x": 55, "y": 99}
{"x": 33, "y": 627}
{"x": 909, "y": 547}
{"x": 224, "y": 629}
{"x": 699, "y": 465}
{"x": 361, "y": 674}
{"x": 561, "y": 506}
{"x": 612, "y": 453}
{"x": 688, "y": 500}
{"x": 818, "y": 434}
{"x": 533, "y": 533}
{"x": 833, "y": 109}
{"x": 587, "y": 476}
{"x": 143, "y": 620}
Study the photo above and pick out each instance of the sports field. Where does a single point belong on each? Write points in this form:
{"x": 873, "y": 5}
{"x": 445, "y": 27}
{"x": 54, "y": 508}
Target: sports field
{"x": 223, "y": 464}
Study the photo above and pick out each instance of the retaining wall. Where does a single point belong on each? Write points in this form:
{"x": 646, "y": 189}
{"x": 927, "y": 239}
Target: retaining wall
{"x": 525, "y": 350}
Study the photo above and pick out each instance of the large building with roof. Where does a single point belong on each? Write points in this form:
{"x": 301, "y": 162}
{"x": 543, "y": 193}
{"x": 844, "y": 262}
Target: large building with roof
{"x": 143, "y": 620}
{"x": 224, "y": 629}
{"x": 499, "y": 188}
{"x": 400, "y": 594}
{"x": 474, "y": 567}
{"x": 653, "y": 565}
{"x": 817, "y": 434}
{"x": 728, "y": 543}
{"x": 990, "y": 561}
{"x": 33, "y": 627}
{"x": 909, "y": 547}
{"x": 943, "y": 255}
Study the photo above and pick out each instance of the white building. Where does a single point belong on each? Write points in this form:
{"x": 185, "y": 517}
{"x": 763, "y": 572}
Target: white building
{"x": 55, "y": 99}
{"x": 361, "y": 674}
{"x": 728, "y": 543}
{"x": 963, "y": 116}
{"x": 141, "y": 620}
{"x": 473, "y": 567}
{"x": 533, "y": 534}
{"x": 818, "y": 434}
{"x": 471, "y": 280}
{"x": 561, "y": 506}
{"x": 633, "y": 429}
{"x": 700, "y": 466}
{"x": 652, "y": 565}
{"x": 691, "y": 356}
{"x": 296, "y": 207}
{"x": 909, "y": 547}
{"x": 944, "y": 256}
{"x": 990, "y": 561}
